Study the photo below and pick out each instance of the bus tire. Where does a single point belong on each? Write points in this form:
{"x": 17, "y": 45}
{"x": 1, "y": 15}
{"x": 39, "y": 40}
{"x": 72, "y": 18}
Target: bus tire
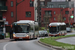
{"x": 3, "y": 37}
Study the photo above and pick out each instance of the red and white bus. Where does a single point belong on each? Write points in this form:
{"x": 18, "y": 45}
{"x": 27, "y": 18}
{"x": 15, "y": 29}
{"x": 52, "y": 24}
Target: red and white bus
{"x": 57, "y": 29}
{"x": 24, "y": 29}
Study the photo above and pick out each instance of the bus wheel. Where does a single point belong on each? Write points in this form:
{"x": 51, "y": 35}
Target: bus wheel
{"x": 36, "y": 38}
{"x": 64, "y": 35}
{"x": 3, "y": 37}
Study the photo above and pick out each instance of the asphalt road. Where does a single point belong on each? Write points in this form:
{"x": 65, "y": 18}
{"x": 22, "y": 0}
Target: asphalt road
{"x": 69, "y": 33}
{"x": 7, "y": 44}
{"x": 69, "y": 40}
{"x": 23, "y": 45}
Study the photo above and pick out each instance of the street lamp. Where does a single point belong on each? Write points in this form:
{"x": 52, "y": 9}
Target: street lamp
{"x": 35, "y": 8}
{"x": 61, "y": 18}
{"x": 69, "y": 16}
{"x": 16, "y": 8}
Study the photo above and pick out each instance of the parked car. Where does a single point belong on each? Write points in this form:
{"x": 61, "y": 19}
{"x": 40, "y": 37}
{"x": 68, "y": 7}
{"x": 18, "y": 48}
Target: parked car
{"x": 43, "y": 33}
{"x": 68, "y": 29}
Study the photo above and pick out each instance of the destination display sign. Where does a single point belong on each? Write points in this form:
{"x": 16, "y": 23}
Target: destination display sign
{"x": 22, "y": 24}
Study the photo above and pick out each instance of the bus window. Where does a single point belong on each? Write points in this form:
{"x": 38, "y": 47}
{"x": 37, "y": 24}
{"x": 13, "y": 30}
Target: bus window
{"x": 52, "y": 29}
{"x": 21, "y": 29}
{"x": 63, "y": 27}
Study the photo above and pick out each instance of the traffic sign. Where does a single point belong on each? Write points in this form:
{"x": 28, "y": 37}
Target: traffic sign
{"x": 4, "y": 18}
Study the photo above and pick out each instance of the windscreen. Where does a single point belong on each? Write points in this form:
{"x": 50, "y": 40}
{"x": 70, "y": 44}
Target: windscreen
{"x": 21, "y": 28}
{"x": 53, "y": 29}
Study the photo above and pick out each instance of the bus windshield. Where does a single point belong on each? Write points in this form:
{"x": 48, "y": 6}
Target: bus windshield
{"x": 53, "y": 29}
{"x": 21, "y": 29}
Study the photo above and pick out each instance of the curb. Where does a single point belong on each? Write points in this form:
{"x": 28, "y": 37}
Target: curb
{"x": 54, "y": 47}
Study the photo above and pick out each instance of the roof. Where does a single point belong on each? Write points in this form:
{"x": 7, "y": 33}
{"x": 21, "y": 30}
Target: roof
{"x": 31, "y": 22}
{"x": 56, "y": 24}
{"x": 25, "y": 21}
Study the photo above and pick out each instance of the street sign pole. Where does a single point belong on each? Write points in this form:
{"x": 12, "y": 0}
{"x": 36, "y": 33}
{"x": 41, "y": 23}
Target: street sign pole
{"x": 4, "y": 18}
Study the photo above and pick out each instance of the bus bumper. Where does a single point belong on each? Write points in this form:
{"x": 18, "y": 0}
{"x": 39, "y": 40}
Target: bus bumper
{"x": 20, "y": 37}
{"x": 53, "y": 34}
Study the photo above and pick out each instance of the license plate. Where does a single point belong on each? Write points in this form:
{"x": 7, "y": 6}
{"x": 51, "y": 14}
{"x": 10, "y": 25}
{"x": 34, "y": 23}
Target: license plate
{"x": 20, "y": 38}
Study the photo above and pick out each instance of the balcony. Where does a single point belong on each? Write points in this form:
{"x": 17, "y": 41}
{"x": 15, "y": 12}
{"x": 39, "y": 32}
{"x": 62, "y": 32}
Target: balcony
{"x": 48, "y": 15}
{"x": 3, "y": 0}
{"x": 3, "y": 8}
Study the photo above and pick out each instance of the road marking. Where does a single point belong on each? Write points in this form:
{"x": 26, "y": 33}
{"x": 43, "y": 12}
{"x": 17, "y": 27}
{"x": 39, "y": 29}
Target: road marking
{"x": 4, "y": 48}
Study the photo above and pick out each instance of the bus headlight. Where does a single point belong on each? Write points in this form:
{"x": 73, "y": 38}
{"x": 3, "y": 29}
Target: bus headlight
{"x": 27, "y": 35}
{"x": 14, "y": 35}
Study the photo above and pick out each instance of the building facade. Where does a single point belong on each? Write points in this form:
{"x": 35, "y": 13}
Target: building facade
{"x": 58, "y": 12}
{"x": 15, "y": 10}
{"x": 41, "y": 3}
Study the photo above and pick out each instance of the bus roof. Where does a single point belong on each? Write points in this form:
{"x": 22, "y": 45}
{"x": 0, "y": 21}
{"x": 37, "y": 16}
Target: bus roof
{"x": 56, "y": 24}
{"x": 27, "y": 21}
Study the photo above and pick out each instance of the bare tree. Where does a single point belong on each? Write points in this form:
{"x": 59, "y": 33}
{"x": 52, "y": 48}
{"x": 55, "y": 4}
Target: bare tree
{"x": 59, "y": 17}
{"x": 46, "y": 20}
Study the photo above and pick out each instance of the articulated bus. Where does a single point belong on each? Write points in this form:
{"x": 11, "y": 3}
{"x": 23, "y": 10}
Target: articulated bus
{"x": 24, "y": 29}
{"x": 57, "y": 29}
{"x": 2, "y": 30}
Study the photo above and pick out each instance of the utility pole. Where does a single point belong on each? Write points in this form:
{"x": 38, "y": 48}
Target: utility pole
{"x": 34, "y": 18}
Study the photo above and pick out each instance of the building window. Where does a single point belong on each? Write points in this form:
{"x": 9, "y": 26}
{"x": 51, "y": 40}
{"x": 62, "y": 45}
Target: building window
{"x": 28, "y": 14}
{"x": 51, "y": 6}
{"x": 31, "y": 3}
{"x": 62, "y": 6}
{"x": 54, "y": 18}
{"x": 11, "y": 3}
{"x": 42, "y": 3}
{"x": 12, "y": 14}
{"x": 54, "y": 12}
{"x": 64, "y": 18}
{"x": 72, "y": 12}
{"x": 66, "y": 12}
{"x": 1, "y": 3}
{"x": 47, "y": 12}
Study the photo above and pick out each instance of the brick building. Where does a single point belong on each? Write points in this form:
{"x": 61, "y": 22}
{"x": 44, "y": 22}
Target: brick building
{"x": 56, "y": 10}
{"x": 41, "y": 3}
{"x": 23, "y": 8}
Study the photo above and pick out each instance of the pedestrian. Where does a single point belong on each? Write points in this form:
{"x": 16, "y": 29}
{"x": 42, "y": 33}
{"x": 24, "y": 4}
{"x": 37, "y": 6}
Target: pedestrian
{"x": 11, "y": 33}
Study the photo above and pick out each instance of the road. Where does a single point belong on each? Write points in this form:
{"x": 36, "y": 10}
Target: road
{"x": 70, "y": 33}
{"x": 7, "y": 44}
{"x": 69, "y": 40}
{"x": 23, "y": 45}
